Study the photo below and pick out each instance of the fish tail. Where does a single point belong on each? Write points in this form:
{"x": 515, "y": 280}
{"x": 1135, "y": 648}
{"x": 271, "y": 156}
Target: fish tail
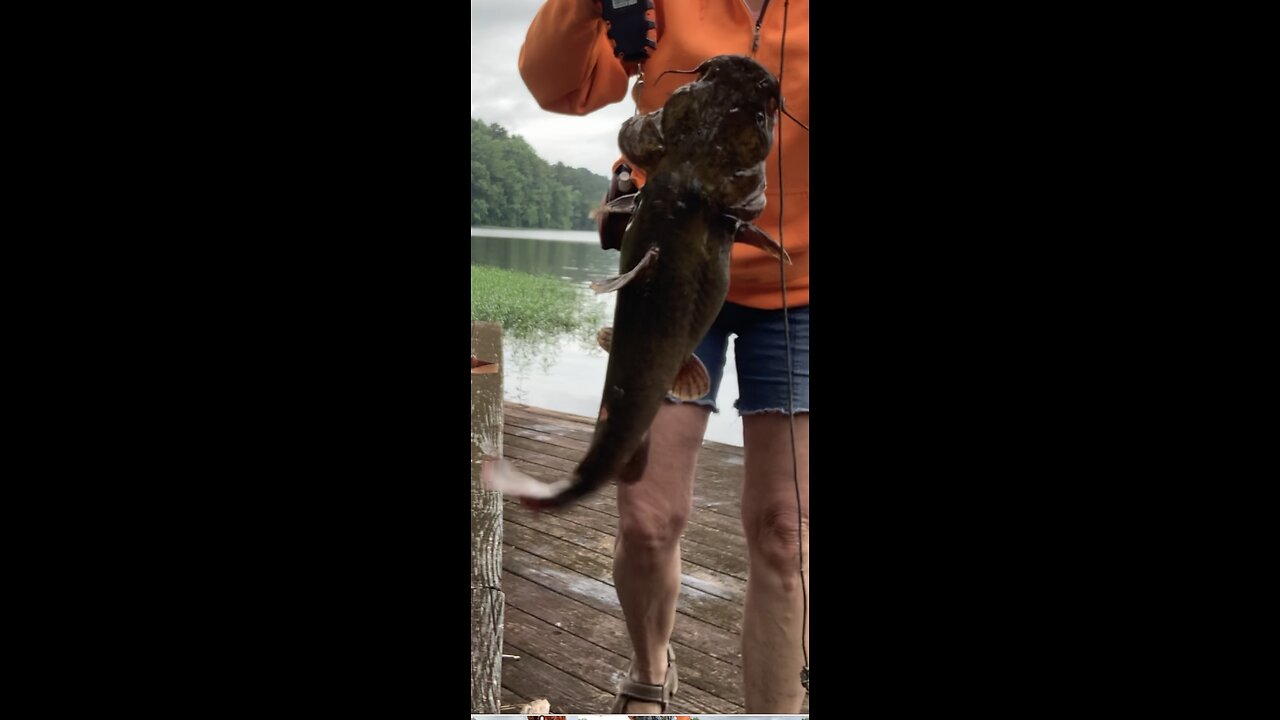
{"x": 501, "y": 476}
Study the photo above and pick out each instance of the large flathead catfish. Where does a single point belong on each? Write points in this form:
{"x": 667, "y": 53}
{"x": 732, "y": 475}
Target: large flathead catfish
{"x": 705, "y": 151}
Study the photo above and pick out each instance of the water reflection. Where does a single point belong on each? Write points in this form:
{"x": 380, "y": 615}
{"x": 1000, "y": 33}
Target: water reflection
{"x": 566, "y": 372}
{"x": 570, "y": 260}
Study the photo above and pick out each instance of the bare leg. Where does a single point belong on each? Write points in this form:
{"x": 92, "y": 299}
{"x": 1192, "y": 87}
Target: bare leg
{"x": 771, "y": 625}
{"x": 653, "y": 513}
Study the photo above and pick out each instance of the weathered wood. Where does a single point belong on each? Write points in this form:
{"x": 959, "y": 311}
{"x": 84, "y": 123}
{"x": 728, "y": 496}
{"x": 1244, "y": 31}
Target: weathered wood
{"x": 521, "y": 439}
{"x": 603, "y": 515}
{"x": 719, "y": 474}
{"x": 488, "y": 608}
{"x": 722, "y": 607}
{"x": 567, "y": 653}
{"x": 695, "y": 575}
{"x": 562, "y": 607}
{"x": 589, "y": 581}
{"x": 566, "y": 526}
{"x": 511, "y": 700}
{"x": 708, "y": 678}
{"x": 573, "y": 428}
{"x": 522, "y": 449}
{"x": 487, "y": 599}
{"x": 531, "y": 676}
{"x": 704, "y": 554}
{"x": 585, "y": 661}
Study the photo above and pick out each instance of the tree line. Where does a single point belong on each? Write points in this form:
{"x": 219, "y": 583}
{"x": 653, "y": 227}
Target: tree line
{"x": 512, "y": 187}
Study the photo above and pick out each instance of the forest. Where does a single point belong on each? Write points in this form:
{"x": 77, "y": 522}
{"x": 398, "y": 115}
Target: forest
{"x": 512, "y": 187}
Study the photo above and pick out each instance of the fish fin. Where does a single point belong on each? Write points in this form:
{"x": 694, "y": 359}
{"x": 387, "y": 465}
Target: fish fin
{"x": 754, "y": 236}
{"x": 501, "y": 476}
{"x": 692, "y": 382}
{"x": 634, "y": 468}
{"x": 617, "y": 282}
{"x": 624, "y": 205}
{"x": 605, "y": 338}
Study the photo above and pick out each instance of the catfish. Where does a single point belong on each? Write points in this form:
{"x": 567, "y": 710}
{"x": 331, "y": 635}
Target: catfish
{"x": 705, "y": 152}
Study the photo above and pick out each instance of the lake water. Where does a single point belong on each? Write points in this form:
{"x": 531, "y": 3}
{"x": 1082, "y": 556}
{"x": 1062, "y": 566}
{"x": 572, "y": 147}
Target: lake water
{"x": 568, "y": 374}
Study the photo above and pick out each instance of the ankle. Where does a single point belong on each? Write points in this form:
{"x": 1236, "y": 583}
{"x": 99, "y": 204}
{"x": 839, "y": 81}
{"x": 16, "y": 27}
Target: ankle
{"x": 651, "y": 674}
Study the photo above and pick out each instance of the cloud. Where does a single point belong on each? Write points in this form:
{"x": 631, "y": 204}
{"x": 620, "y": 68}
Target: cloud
{"x": 498, "y": 95}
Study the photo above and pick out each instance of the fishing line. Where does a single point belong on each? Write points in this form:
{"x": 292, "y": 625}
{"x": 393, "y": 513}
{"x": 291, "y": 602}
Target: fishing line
{"x": 786, "y": 330}
{"x": 786, "y": 319}
{"x": 788, "y": 114}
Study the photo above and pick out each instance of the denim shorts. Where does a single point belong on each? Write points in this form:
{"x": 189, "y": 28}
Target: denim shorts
{"x": 761, "y": 353}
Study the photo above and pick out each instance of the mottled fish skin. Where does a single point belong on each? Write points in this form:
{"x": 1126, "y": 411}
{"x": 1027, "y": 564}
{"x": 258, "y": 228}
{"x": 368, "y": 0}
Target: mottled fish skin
{"x": 705, "y": 152}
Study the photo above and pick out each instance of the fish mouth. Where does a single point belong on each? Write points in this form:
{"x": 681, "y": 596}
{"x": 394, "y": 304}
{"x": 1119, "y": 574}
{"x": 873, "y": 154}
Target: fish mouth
{"x": 740, "y": 66}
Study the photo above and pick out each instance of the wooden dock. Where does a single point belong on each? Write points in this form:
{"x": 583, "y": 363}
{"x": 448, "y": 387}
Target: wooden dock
{"x": 562, "y": 616}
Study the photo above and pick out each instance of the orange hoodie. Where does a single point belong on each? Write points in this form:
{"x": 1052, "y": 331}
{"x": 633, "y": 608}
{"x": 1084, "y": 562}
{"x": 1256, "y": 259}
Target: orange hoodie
{"x": 568, "y": 64}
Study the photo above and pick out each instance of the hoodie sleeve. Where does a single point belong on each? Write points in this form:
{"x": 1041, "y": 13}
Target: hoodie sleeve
{"x": 567, "y": 60}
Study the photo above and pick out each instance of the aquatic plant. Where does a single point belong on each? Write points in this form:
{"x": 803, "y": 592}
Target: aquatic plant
{"x": 531, "y": 307}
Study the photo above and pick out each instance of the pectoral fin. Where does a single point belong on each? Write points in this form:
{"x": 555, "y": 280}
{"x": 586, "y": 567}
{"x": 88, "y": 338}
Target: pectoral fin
{"x": 634, "y": 468}
{"x": 617, "y": 282}
{"x": 754, "y": 236}
{"x": 605, "y": 338}
{"x": 692, "y": 382}
{"x": 623, "y": 205}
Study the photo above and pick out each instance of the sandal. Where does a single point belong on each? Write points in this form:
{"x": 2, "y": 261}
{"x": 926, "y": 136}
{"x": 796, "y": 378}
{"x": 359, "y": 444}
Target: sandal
{"x": 629, "y": 689}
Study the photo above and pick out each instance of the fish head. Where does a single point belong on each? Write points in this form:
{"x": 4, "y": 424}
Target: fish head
{"x": 743, "y": 76}
{"x": 720, "y": 127}
{"x": 723, "y": 121}
{"x": 742, "y": 105}
{"x": 734, "y": 99}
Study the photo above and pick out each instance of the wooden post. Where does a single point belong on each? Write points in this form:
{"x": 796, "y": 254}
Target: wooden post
{"x": 487, "y": 598}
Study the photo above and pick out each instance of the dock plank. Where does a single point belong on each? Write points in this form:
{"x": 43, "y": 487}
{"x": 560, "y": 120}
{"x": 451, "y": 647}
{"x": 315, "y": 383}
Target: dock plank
{"x": 584, "y": 661}
{"x": 530, "y": 676}
{"x": 591, "y": 582}
{"x": 562, "y": 612}
{"x": 706, "y": 676}
{"x": 600, "y": 566}
{"x": 562, "y": 526}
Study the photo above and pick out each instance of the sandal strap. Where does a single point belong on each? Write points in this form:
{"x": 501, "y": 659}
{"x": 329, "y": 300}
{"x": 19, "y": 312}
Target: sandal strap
{"x": 643, "y": 691}
{"x": 630, "y": 689}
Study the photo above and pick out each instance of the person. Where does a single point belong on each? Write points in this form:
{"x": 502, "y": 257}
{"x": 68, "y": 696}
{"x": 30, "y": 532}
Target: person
{"x": 568, "y": 64}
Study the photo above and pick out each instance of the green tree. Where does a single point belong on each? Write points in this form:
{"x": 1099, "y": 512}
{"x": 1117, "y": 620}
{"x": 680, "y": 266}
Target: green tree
{"x": 512, "y": 187}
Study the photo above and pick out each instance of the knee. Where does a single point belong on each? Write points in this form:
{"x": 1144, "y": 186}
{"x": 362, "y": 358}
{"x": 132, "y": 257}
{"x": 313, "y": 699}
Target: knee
{"x": 774, "y": 537}
{"x": 651, "y": 530}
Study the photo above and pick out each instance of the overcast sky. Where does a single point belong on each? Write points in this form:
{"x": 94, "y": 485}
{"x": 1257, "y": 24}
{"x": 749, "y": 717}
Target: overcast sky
{"x": 498, "y": 95}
